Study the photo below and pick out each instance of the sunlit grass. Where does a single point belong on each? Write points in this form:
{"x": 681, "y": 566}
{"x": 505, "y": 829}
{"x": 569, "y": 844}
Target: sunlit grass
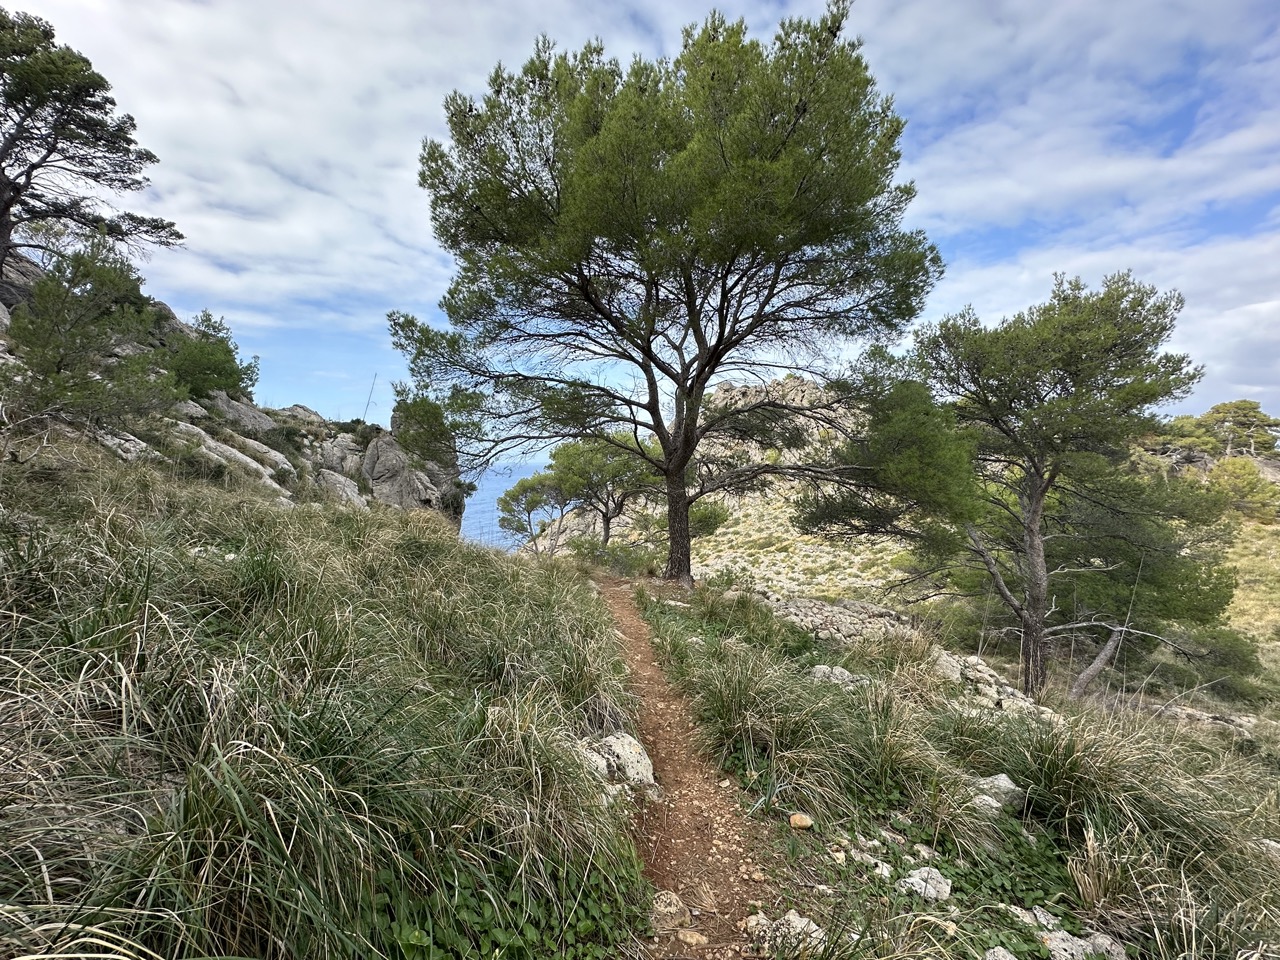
{"x": 1255, "y": 609}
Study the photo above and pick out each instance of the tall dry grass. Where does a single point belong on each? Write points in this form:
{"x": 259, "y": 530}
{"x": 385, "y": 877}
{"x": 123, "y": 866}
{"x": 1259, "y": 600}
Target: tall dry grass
{"x": 1164, "y": 839}
{"x": 233, "y": 729}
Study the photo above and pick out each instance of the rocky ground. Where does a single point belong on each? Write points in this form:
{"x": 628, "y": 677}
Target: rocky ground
{"x": 759, "y": 548}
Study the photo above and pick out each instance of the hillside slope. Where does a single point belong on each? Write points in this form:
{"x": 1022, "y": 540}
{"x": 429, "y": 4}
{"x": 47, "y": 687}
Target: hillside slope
{"x": 231, "y": 727}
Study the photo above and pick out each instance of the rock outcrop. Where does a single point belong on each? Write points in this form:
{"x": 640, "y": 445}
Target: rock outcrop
{"x": 299, "y": 453}
{"x": 294, "y": 453}
{"x": 239, "y": 416}
{"x": 16, "y": 279}
{"x": 339, "y": 488}
{"x": 394, "y": 479}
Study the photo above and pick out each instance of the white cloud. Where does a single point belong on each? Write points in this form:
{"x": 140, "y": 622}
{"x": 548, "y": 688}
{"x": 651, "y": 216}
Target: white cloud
{"x": 1085, "y": 137}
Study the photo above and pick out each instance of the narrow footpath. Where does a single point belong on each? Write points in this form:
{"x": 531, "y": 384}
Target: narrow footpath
{"x": 696, "y": 841}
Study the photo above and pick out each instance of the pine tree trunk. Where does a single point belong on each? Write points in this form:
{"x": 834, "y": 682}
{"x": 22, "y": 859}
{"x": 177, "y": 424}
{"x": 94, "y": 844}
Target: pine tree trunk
{"x": 1035, "y": 671}
{"x": 606, "y": 523}
{"x": 1036, "y": 603}
{"x": 679, "y": 561}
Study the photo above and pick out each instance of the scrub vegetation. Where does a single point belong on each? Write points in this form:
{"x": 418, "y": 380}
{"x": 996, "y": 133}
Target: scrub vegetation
{"x": 228, "y": 729}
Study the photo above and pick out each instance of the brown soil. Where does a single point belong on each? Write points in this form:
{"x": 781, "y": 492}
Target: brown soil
{"x": 696, "y": 841}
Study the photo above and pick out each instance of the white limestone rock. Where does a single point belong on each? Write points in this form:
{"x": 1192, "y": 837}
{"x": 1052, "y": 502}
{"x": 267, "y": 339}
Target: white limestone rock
{"x": 269, "y": 457}
{"x": 125, "y": 446}
{"x": 669, "y": 912}
{"x": 926, "y": 882}
{"x": 947, "y": 667}
{"x": 242, "y": 416}
{"x": 305, "y": 414}
{"x": 626, "y": 762}
{"x": 1064, "y": 946}
{"x": 189, "y": 410}
{"x": 341, "y": 489}
{"x": 792, "y": 934}
{"x": 797, "y": 933}
{"x": 341, "y": 454}
{"x": 222, "y": 453}
{"x": 1001, "y": 789}
{"x": 394, "y": 479}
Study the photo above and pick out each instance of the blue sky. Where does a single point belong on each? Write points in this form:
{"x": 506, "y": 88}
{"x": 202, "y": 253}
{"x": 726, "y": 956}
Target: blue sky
{"x": 1085, "y": 137}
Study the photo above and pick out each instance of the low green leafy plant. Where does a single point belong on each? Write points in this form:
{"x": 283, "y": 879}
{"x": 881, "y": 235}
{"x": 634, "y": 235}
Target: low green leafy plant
{"x": 480, "y": 915}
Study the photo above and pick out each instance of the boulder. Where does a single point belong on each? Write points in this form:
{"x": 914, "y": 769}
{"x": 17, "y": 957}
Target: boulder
{"x": 987, "y": 806}
{"x": 344, "y": 490}
{"x": 1001, "y": 789}
{"x": 189, "y": 410}
{"x": 168, "y": 328}
{"x": 305, "y": 414}
{"x": 947, "y": 666}
{"x": 627, "y": 759}
{"x": 791, "y": 935}
{"x": 669, "y": 912}
{"x": 927, "y": 882}
{"x": 241, "y": 416}
{"x": 124, "y": 445}
{"x": 394, "y": 478}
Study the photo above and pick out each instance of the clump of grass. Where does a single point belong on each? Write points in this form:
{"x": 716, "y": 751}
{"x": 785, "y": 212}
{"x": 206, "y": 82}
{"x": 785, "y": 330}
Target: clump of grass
{"x": 1163, "y": 832}
{"x": 810, "y": 746}
{"x": 1137, "y": 827}
{"x": 230, "y": 729}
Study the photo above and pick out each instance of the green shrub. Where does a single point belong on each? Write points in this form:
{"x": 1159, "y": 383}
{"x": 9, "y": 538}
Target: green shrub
{"x": 619, "y": 557}
{"x": 210, "y": 361}
{"x": 80, "y": 336}
{"x": 705, "y": 518}
{"x": 420, "y": 428}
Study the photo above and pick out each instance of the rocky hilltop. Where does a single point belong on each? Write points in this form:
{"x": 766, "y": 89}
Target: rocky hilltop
{"x": 294, "y": 452}
{"x": 301, "y": 455}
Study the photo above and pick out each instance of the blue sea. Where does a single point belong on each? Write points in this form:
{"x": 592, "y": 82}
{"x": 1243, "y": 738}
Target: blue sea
{"x": 480, "y": 518}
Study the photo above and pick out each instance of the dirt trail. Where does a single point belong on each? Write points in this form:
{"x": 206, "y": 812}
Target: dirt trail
{"x": 696, "y": 841}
